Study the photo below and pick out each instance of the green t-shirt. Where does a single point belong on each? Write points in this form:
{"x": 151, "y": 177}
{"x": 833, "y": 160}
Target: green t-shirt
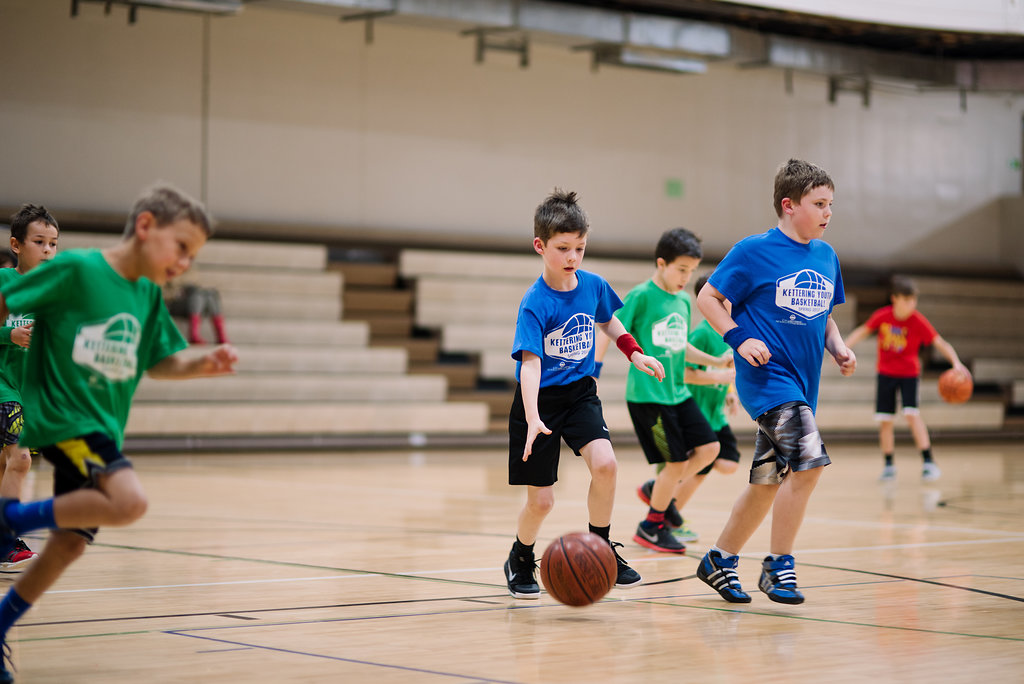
{"x": 12, "y": 356}
{"x": 95, "y": 334}
{"x": 660, "y": 322}
{"x": 710, "y": 398}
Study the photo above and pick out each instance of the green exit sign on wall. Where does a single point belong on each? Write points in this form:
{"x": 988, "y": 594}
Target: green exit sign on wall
{"x": 674, "y": 188}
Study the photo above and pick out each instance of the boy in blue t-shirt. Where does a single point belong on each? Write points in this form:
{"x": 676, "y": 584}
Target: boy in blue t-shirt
{"x": 782, "y": 286}
{"x": 557, "y": 396}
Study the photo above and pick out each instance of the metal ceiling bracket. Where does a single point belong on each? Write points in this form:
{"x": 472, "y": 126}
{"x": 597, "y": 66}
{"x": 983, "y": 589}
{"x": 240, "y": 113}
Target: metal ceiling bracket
{"x": 369, "y": 18}
{"x": 492, "y": 38}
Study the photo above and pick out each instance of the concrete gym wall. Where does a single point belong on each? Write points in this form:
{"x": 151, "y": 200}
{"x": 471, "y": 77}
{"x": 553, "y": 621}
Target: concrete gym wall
{"x": 408, "y": 138}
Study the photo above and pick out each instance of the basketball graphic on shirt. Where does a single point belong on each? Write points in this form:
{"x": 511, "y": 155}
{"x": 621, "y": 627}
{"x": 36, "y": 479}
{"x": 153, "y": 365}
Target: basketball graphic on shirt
{"x": 109, "y": 347}
{"x": 806, "y": 293}
{"x": 670, "y": 332}
{"x": 572, "y": 340}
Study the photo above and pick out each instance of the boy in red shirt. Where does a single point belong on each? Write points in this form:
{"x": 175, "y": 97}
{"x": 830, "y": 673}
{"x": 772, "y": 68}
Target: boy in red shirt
{"x": 902, "y": 331}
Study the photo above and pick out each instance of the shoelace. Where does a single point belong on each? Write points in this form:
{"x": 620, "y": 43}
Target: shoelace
{"x": 618, "y": 558}
{"x": 5, "y": 653}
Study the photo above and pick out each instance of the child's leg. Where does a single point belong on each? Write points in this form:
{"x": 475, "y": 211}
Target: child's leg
{"x": 16, "y": 463}
{"x": 61, "y": 550}
{"x": 790, "y": 506}
{"x": 919, "y": 430}
{"x": 539, "y": 501}
{"x": 747, "y": 514}
{"x": 600, "y": 459}
{"x": 118, "y": 500}
{"x": 886, "y": 436}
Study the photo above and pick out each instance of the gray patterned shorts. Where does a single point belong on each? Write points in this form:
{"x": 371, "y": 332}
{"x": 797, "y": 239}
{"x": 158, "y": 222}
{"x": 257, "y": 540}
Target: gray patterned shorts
{"x": 787, "y": 439}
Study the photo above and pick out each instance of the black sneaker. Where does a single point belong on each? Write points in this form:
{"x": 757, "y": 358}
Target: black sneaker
{"x": 720, "y": 574}
{"x": 6, "y": 677}
{"x": 627, "y": 577}
{"x": 658, "y": 538}
{"x": 519, "y": 573}
{"x": 672, "y": 516}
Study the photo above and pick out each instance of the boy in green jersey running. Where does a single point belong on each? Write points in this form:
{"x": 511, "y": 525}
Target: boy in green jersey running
{"x": 100, "y": 323}
{"x": 34, "y": 234}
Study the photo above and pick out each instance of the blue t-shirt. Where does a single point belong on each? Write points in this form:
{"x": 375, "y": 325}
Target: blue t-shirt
{"x": 782, "y": 292}
{"x": 559, "y": 327}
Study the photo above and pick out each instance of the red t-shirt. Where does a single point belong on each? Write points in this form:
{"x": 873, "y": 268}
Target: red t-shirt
{"x": 899, "y": 342}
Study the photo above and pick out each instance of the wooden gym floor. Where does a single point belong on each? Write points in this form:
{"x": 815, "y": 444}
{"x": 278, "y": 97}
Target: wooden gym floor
{"x": 386, "y": 567}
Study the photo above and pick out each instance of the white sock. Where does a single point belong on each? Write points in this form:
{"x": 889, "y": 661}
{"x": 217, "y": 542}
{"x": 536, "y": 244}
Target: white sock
{"x": 725, "y": 554}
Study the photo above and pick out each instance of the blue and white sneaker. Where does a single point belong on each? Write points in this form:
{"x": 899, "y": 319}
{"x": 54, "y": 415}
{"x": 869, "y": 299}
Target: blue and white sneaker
{"x": 719, "y": 573}
{"x": 778, "y": 580}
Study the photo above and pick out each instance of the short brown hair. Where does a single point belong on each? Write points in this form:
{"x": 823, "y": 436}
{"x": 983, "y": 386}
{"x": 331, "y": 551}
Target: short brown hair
{"x": 902, "y": 286}
{"x": 168, "y": 204}
{"x": 795, "y": 179}
{"x": 559, "y": 213}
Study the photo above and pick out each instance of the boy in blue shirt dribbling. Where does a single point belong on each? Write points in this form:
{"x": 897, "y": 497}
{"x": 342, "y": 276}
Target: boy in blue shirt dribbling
{"x": 782, "y": 285}
{"x": 557, "y": 395}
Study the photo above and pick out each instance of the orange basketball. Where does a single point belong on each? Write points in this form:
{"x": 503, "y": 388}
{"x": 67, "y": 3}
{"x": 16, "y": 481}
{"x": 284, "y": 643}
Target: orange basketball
{"x": 578, "y": 568}
{"x": 955, "y": 386}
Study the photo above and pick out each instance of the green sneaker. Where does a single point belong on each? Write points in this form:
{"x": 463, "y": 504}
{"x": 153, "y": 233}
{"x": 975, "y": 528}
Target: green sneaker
{"x": 685, "y": 533}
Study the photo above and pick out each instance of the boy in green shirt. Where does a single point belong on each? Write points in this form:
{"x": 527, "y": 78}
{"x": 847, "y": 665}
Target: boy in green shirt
{"x": 34, "y": 234}
{"x": 100, "y": 323}
{"x": 670, "y": 427}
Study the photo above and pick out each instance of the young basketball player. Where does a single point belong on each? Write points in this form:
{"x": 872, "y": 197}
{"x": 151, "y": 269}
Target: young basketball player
{"x": 782, "y": 286}
{"x": 100, "y": 322}
{"x": 556, "y": 397}
{"x": 34, "y": 234}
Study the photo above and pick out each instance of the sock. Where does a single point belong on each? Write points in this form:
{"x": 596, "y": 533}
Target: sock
{"x": 602, "y": 532}
{"x": 522, "y": 549}
{"x": 926, "y": 454}
{"x": 722, "y": 553}
{"x": 218, "y": 326}
{"x": 654, "y": 519}
{"x": 12, "y": 607}
{"x": 194, "y": 321}
{"x": 888, "y": 459}
{"x": 26, "y": 517}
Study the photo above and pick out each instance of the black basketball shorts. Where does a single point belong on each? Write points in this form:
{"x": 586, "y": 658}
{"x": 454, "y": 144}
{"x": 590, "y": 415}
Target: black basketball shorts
{"x": 670, "y": 433}
{"x": 12, "y": 420}
{"x": 888, "y": 388}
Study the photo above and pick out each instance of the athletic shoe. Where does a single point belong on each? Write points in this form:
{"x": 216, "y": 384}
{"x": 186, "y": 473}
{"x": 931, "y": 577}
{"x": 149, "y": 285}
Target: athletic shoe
{"x": 685, "y": 533}
{"x": 930, "y": 472}
{"x": 18, "y": 557}
{"x": 672, "y": 516}
{"x": 658, "y": 538}
{"x": 627, "y": 577}
{"x": 778, "y": 580}
{"x": 8, "y": 537}
{"x": 888, "y": 474}
{"x": 6, "y": 677}
{"x": 719, "y": 573}
{"x": 519, "y": 574}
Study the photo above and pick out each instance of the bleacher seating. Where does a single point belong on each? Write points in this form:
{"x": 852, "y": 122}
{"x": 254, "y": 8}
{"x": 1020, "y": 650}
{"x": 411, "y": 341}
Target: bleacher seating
{"x": 472, "y": 299}
{"x": 302, "y": 371}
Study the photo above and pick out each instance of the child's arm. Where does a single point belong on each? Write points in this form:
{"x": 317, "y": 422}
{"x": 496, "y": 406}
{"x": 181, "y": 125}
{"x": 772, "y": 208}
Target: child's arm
{"x": 711, "y": 303}
{"x": 702, "y": 358}
{"x": 859, "y": 334}
{"x": 839, "y": 350}
{"x": 732, "y": 401}
{"x": 219, "y": 361}
{"x": 529, "y": 382}
{"x": 600, "y": 348}
{"x": 946, "y": 349}
{"x": 697, "y": 376}
{"x": 614, "y": 329}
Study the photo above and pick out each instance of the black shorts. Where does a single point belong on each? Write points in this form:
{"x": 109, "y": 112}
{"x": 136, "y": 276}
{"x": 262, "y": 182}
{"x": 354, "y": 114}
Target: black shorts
{"x": 572, "y": 412}
{"x": 12, "y": 420}
{"x": 669, "y": 434}
{"x": 77, "y": 462}
{"x": 729, "y": 449}
{"x": 885, "y": 397}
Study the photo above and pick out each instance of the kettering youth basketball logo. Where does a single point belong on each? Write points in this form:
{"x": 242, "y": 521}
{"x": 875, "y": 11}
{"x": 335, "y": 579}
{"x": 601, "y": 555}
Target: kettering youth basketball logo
{"x": 806, "y": 293}
{"x": 572, "y": 341}
{"x": 110, "y": 347}
{"x": 670, "y": 332}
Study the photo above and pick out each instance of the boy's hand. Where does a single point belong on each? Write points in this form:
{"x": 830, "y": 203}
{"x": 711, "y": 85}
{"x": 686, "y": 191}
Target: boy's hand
{"x": 727, "y": 376}
{"x": 732, "y": 403}
{"x": 648, "y": 364}
{"x": 535, "y": 428}
{"x": 726, "y": 360}
{"x": 847, "y": 361}
{"x": 220, "y": 361}
{"x": 754, "y": 351}
{"x": 22, "y": 336}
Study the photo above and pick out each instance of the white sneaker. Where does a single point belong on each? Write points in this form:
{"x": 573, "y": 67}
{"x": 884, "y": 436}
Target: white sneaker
{"x": 930, "y": 472}
{"x": 888, "y": 474}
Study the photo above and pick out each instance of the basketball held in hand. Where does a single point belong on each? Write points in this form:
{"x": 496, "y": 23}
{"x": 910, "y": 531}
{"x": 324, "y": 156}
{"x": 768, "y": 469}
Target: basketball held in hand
{"x": 955, "y": 386}
{"x": 578, "y": 568}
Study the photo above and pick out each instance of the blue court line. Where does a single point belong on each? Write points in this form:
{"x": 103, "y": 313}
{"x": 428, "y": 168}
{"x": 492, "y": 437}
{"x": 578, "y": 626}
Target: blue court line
{"x": 355, "y": 661}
